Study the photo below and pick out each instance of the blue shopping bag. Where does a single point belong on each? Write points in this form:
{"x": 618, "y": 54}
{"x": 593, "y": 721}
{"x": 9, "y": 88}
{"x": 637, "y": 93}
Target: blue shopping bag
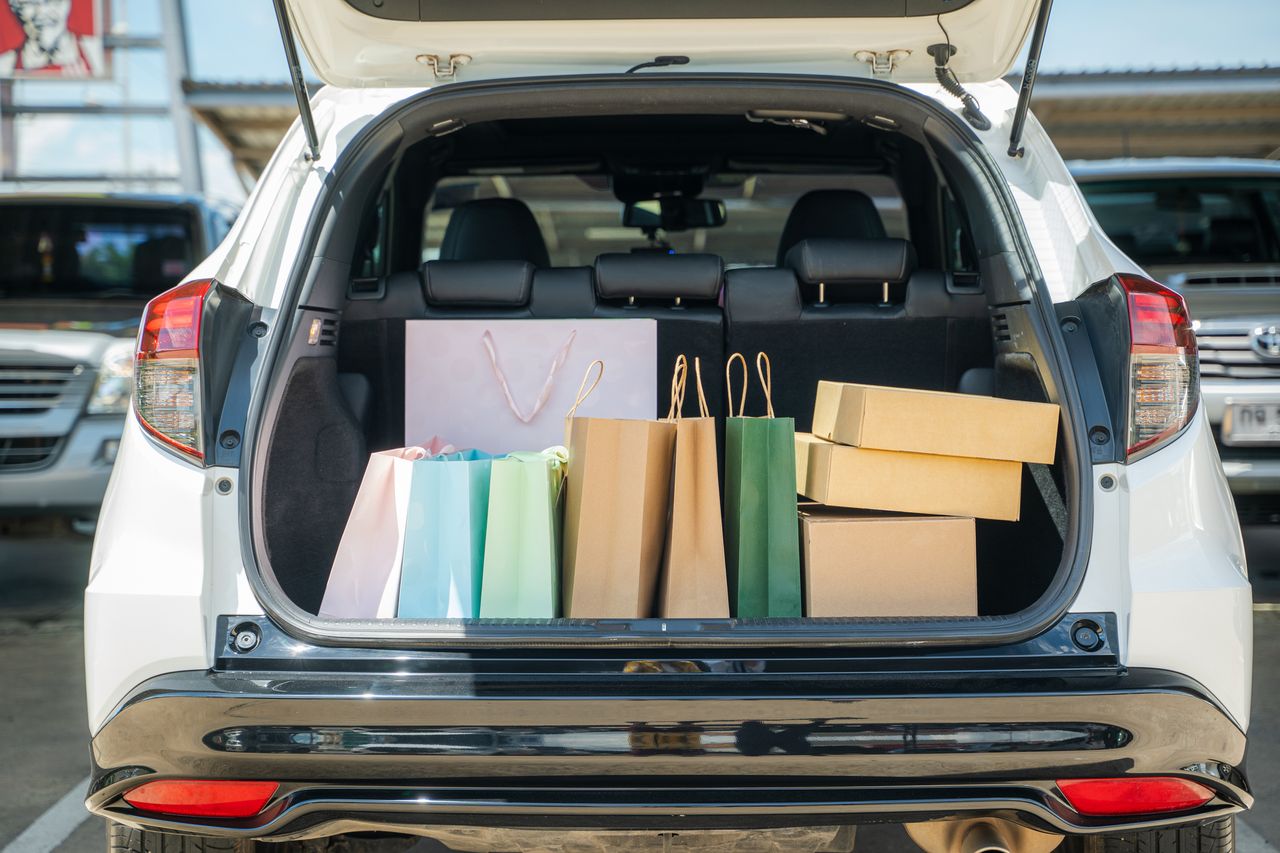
{"x": 444, "y": 537}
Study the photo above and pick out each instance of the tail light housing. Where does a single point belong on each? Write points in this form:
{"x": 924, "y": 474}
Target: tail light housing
{"x": 167, "y": 394}
{"x": 186, "y": 350}
{"x": 220, "y": 798}
{"x": 1133, "y": 795}
{"x": 1164, "y": 368}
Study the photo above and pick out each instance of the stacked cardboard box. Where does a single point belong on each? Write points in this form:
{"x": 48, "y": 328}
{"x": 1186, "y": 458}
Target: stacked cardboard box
{"x": 945, "y": 458}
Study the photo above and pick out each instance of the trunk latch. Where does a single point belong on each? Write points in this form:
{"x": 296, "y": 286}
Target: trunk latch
{"x": 447, "y": 69}
{"x": 882, "y": 62}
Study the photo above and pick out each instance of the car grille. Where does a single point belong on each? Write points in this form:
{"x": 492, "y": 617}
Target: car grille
{"x": 1228, "y": 353}
{"x": 33, "y": 389}
{"x": 1235, "y": 279}
{"x": 25, "y": 454}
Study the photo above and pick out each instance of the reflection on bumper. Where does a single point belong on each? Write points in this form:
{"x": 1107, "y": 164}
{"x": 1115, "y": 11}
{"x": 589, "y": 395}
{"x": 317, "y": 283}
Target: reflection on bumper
{"x": 77, "y": 477}
{"x": 411, "y": 740}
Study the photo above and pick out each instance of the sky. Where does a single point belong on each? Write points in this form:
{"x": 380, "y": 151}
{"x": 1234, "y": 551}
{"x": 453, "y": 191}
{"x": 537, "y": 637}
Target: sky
{"x": 238, "y": 41}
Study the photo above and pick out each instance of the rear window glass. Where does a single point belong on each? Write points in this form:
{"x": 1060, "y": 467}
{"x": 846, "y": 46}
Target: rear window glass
{"x": 580, "y": 218}
{"x": 78, "y": 251}
{"x": 1170, "y": 222}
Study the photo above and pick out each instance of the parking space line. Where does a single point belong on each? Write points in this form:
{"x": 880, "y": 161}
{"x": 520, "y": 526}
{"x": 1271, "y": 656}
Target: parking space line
{"x": 52, "y": 828}
{"x": 1249, "y": 841}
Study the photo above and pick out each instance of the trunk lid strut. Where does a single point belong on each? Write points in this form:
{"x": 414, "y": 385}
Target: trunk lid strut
{"x": 1028, "y": 77}
{"x": 299, "y": 85}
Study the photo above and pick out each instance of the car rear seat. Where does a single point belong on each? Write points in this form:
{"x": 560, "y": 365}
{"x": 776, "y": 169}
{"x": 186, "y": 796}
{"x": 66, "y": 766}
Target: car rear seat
{"x": 680, "y": 292}
{"x": 925, "y": 336}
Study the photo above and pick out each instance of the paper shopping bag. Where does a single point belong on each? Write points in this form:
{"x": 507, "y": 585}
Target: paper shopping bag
{"x": 521, "y": 575}
{"x": 364, "y": 581}
{"x": 616, "y": 502}
{"x": 693, "y": 582}
{"x": 506, "y": 384}
{"x": 445, "y": 536}
{"x": 762, "y": 541}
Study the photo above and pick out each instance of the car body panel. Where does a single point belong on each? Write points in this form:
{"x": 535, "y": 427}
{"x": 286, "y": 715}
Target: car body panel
{"x": 350, "y": 48}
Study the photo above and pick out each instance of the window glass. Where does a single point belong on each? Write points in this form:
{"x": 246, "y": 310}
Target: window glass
{"x": 76, "y": 250}
{"x": 580, "y": 218}
{"x": 1178, "y": 222}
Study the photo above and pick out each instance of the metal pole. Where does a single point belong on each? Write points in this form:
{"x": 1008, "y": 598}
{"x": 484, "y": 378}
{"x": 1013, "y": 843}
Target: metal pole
{"x": 174, "y": 38}
{"x": 1029, "y": 78}
{"x": 8, "y": 134}
{"x": 299, "y": 85}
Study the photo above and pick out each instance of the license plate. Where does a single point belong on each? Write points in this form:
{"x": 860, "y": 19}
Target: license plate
{"x": 1252, "y": 423}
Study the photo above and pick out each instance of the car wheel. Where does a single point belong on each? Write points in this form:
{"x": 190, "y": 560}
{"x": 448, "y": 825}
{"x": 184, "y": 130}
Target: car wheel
{"x": 1217, "y": 836}
{"x": 126, "y": 839}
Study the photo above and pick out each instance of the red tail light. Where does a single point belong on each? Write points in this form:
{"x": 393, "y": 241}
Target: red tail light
{"x": 202, "y": 797}
{"x": 1164, "y": 370}
{"x": 1138, "y": 795}
{"x": 167, "y": 393}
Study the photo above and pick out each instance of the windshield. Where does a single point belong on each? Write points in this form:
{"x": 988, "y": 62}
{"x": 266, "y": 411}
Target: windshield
{"x": 1189, "y": 222}
{"x": 580, "y": 217}
{"x": 90, "y": 251}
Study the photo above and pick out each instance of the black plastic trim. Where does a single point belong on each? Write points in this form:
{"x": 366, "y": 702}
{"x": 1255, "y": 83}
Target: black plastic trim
{"x": 577, "y": 10}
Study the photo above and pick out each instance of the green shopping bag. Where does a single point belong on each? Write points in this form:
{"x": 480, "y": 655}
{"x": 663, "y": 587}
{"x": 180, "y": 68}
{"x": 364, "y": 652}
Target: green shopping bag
{"x": 521, "y": 575}
{"x": 762, "y": 542}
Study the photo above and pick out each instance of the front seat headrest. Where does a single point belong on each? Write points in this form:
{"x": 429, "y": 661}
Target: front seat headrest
{"x": 494, "y": 229}
{"x": 839, "y": 214}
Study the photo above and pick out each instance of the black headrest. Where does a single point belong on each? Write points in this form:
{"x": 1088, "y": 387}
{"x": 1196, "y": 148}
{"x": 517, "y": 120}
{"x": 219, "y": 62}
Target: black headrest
{"x": 494, "y": 229}
{"x": 761, "y": 295}
{"x": 836, "y": 262}
{"x": 845, "y": 214}
{"x": 477, "y": 284}
{"x": 563, "y": 292}
{"x": 653, "y": 276}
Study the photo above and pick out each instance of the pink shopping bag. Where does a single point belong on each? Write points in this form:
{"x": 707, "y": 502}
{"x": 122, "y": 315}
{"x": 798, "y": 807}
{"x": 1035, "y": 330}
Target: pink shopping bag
{"x": 364, "y": 582}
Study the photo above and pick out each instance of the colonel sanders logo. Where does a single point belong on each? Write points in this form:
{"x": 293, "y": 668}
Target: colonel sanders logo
{"x": 51, "y": 38}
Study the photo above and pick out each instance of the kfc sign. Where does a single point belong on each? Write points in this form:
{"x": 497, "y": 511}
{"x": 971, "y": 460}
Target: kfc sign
{"x": 52, "y": 38}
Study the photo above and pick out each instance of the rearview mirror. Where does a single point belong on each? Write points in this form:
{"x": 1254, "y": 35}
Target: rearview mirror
{"x": 674, "y": 213}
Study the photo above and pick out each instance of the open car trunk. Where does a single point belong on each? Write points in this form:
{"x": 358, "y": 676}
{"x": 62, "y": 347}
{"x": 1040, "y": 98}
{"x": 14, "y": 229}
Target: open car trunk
{"x": 967, "y": 317}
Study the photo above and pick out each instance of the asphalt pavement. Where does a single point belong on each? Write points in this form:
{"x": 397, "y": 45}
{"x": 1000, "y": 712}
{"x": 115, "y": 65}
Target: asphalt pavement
{"x": 44, "y": 731}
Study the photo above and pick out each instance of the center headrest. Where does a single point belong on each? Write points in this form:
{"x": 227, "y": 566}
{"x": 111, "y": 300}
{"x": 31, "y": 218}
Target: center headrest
{"x": 477, "y": 284}
{"x": 835, "y": 262}
{"x": 653, "y": 276}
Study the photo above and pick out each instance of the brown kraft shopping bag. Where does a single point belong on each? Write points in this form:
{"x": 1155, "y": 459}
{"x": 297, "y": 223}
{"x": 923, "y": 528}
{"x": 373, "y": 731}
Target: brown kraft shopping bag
{"x": 616, "y": 502}
{"x": 694, "y": 583}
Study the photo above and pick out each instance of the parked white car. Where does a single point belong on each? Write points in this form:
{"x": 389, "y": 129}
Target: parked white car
{"x": 461, "y": 163}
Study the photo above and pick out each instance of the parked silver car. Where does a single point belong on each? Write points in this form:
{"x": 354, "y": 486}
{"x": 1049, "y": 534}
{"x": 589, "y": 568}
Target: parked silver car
{"x": 75, "y": 274}
{"x": 1210, "y": 229}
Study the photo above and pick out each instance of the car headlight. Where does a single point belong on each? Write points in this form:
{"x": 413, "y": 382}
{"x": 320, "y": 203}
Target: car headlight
{"x": 114, "y": 384}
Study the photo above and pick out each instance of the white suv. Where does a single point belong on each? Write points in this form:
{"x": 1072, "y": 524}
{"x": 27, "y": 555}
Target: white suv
{"x": 463, "y": 162}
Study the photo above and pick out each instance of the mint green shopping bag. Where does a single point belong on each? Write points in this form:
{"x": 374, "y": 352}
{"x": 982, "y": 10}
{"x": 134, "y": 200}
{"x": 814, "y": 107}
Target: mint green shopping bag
{"x": 762, "y": 542}
{"x": 521, "y": 576}
{"x": 445, "y": 536}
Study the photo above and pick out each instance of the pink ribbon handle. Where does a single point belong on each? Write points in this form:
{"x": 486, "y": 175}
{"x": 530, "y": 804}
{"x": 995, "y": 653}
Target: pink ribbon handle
{"x": 562, "y": 355}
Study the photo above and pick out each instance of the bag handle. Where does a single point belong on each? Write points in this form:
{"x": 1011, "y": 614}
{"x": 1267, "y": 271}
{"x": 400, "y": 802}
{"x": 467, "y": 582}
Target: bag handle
{"x": 678, "y": 377}
{"x": 545, "y": 394}
{"x": 584, "y": 394}
{"x": 703, "y": 409}
{"x": 728, "y": 384}
{"x": 765, "y": 370}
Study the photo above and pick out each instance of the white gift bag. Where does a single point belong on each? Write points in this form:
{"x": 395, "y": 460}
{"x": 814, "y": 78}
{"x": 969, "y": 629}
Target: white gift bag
{"x": 505, "y": 385}
{"x": 364, "y": 581}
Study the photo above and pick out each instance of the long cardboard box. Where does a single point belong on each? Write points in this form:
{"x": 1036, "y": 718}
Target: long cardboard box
{"x": 871, "y": 564}
{"x": 880, "y": 418}
{"x": 890, "y": 480}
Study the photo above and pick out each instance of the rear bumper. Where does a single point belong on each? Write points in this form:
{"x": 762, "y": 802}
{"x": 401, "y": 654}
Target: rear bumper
{"x": 595, "y": 740}
{"x": 76, "y": 479}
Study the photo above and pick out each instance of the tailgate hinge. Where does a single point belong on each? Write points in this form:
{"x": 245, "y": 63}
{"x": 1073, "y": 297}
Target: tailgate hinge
{"x": 444, "y": 70}
{"x": 882, "y": 62}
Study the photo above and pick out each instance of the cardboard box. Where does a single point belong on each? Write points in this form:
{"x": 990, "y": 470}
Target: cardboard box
{"x": 868, "y": 564}
{"x": 880, "y": 418}
{"x": 890, "y": 480}
{"x": 803, "y": 441}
